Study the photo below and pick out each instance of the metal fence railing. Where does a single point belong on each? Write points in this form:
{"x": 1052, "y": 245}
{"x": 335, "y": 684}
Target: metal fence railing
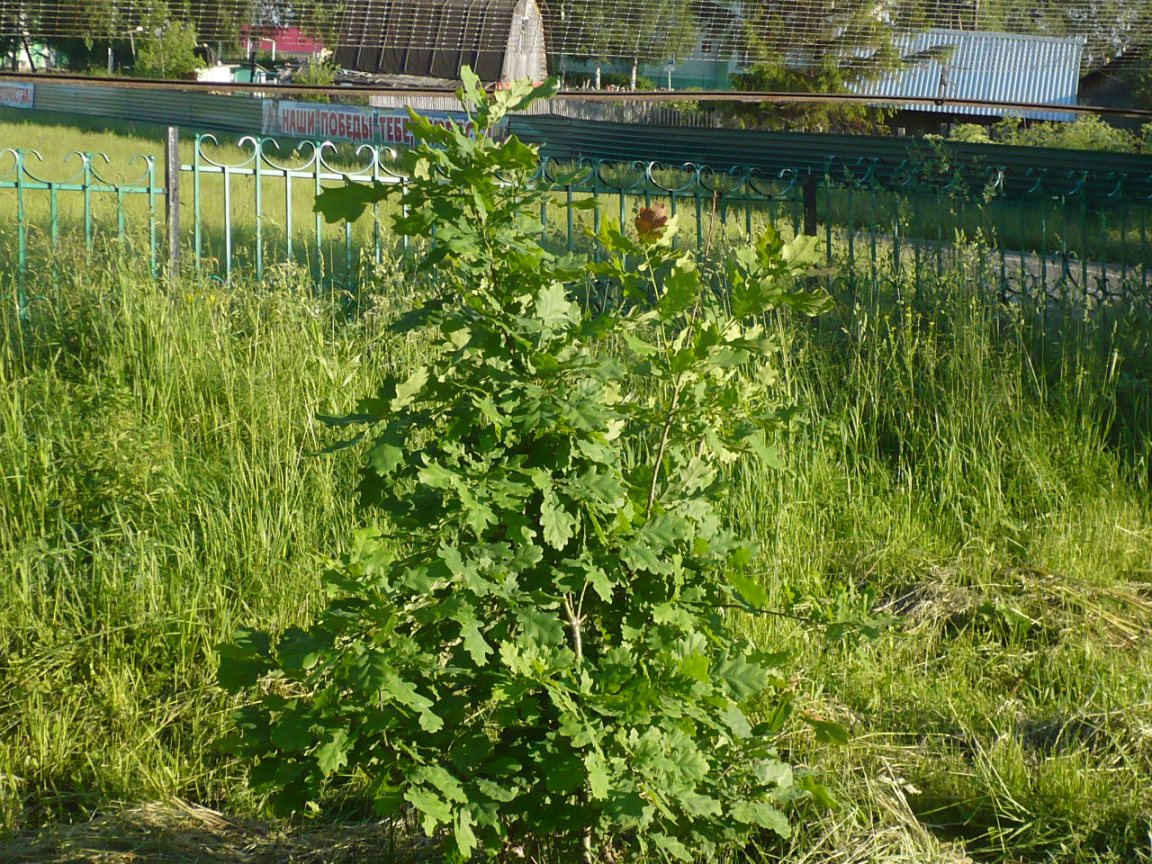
{"x": 74, "y": 197}
{"x": 243, "y": 209}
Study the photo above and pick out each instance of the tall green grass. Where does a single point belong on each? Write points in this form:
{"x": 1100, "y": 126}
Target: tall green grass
{"x": 982, "y": 471}
{"x": 160, "y": 485}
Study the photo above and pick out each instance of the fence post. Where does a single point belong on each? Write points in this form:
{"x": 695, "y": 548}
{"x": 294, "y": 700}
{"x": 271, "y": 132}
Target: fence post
{"x": 811, "y": 185}
{"x": 172, "y": 198}
{"x": 21, "y": 240}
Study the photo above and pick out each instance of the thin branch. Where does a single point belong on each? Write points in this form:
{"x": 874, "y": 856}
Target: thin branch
{"x": 575, "y": 622}
{"x": 663, "y": 445}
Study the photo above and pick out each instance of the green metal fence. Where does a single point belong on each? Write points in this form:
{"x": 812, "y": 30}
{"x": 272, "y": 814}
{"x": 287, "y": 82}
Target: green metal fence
{"x": 244, "y": 209}
{"x": 251, "y": 206}
{"x": 1043, "y": 234}
{"x": 39, "y": 212}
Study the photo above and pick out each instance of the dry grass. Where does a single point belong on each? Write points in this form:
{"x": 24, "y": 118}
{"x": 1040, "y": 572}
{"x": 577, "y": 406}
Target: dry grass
{"x": 892, "y": 834}
{"x": 1027, "y": 601}
{"x": 177, "y": 832}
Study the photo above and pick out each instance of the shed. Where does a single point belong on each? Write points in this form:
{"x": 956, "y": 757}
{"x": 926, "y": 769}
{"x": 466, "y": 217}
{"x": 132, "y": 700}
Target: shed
{"x": 992, "y": 67}
{"x": 284, "y": 42}
{"x": 1112, "y": 85}
{"x": 502, "y": 40}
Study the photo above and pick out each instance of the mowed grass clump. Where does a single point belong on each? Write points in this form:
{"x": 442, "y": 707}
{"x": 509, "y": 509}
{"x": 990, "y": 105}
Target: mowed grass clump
{"x": 976, "y": 472}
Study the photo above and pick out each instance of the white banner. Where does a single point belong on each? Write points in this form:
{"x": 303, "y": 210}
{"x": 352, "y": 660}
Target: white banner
{"x": 320, "y": 122}
{"x": 343, "y": 123}
{"x": 17, "y": 95}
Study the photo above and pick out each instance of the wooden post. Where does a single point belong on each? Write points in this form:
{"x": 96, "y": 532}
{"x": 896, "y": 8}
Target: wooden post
{"x": 811, "y": 186}
{"x": 172, "y": 198}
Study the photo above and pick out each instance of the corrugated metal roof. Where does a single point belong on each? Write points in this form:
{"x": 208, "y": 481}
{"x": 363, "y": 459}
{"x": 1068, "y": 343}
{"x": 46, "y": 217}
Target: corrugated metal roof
{"x": 435, "y": 38}
{"x": 1000, "y": 67}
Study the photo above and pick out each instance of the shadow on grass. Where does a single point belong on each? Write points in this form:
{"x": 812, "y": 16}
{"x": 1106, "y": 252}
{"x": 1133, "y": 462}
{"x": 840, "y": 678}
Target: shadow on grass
{"x": 177, "y": 832}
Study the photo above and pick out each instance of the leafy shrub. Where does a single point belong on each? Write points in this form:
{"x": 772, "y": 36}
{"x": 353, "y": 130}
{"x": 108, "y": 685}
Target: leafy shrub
{"x": 1084, "y": 133}
{"x": 970, "y": 133}
{"x": 536, "y": 649}
{"x": 315, "y": 74}
{"x": 169, "y": 52}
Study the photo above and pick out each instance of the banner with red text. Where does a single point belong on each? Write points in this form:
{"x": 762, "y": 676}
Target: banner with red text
{"x": 346, "y": 123}
{"x": 17, "y": 95}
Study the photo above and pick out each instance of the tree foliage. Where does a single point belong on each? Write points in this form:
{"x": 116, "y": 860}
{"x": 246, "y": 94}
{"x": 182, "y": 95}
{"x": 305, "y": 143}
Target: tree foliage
{"x": 1084, "y": 133}
{"x": 61, "y": 22}
{"x": 831, "y": 44}
{"x": 537, "y": 642}
{"x": 825, "y": 46}
{"x": 622, "y": 30}
{"x": 318, "y": 18}
{"x": 167, "y": 52}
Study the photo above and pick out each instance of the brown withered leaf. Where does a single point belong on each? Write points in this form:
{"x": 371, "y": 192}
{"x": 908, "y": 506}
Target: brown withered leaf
{"x": 651, "y": 223}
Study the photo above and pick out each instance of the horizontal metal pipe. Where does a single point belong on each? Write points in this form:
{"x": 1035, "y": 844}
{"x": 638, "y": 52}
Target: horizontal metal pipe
{"x": 767, "y": 97}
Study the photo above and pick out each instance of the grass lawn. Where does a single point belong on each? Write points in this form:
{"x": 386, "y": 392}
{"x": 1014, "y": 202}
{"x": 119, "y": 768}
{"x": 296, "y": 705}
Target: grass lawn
{"x": 978, "y": 472}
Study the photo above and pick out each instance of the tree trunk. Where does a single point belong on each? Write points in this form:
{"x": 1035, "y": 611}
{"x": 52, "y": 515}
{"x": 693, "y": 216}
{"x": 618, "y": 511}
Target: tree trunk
{"x": 635, "y": 67}
{"x": 597, "y": 76}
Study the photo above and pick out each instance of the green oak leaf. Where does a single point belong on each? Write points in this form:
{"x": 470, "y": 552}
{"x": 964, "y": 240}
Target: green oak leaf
{"x": 762, "y": 814}
{"x": 474, "y": 643}
{"x": 744, "y": 679}
{"x": 559, "y": 525}
{"x": 599, "y": 781}
{"x": 553, "y": 306}
{"x": 463, "y": 834}
{"x": 347, "y": 203}
{"x": 435, "y": 809}
{"x": 673, "y": 847}
{"x": 332, "y": 755}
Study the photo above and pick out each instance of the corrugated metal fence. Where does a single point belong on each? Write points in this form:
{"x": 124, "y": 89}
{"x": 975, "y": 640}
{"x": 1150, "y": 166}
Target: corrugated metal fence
{"x": 193, "y": 110}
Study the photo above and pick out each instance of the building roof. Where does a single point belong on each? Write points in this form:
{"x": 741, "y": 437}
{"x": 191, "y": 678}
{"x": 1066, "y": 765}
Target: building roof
{"x": 434, "y": 38}
{"x": 995, "y": 67}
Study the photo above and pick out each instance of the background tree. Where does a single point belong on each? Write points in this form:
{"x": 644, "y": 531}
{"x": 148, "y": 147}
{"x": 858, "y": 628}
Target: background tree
{"x": 75, "y": 29}
{"x": 11, "y": 24}
{"x": 317, "y": 18}
{"x": 168, "y": 43}
{"x": 1109, "y": 27}
{"x": 825, "y": 46}
{"x": 815, "y": 46}
{"x": 219, "y": 22}
{"x": 620, "y": 30}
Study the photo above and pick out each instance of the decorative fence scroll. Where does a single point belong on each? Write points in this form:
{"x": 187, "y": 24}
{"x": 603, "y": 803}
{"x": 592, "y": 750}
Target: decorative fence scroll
{"x": 261, "y": 199}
